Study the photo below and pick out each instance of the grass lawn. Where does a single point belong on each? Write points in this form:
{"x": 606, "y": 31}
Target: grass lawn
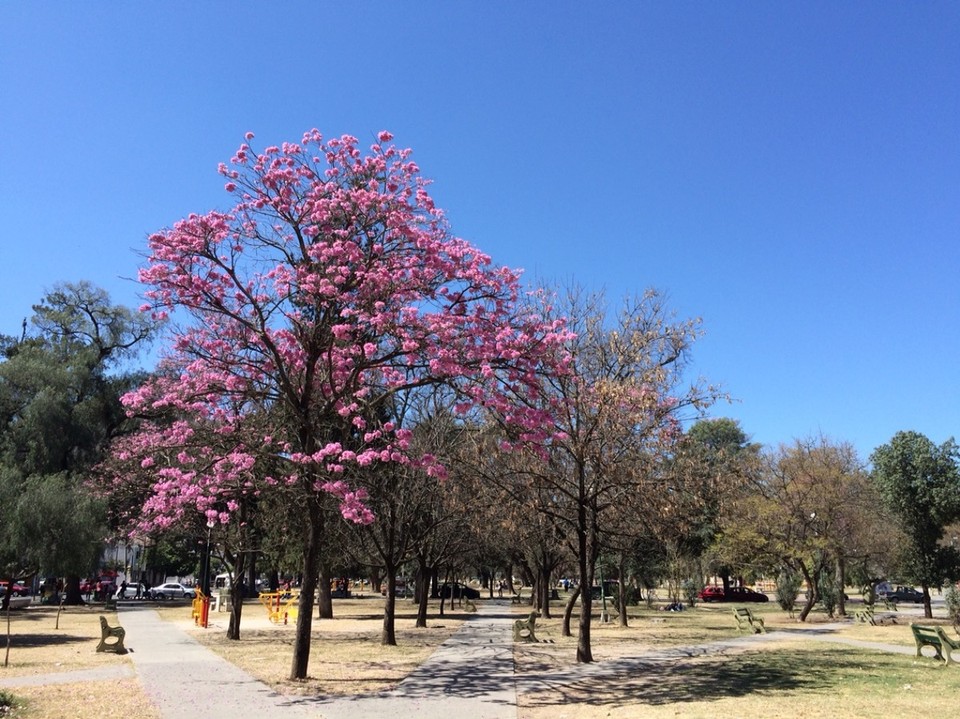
{"x": 784, "y": 676}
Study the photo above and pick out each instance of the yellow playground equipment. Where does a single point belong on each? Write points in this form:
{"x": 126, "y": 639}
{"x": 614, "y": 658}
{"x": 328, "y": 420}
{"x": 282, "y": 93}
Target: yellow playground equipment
{"x": 280, "y": 606}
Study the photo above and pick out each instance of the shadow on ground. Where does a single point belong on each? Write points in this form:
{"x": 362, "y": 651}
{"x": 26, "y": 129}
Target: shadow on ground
{"x": 712, "y": 678}
{"x": 24, "y": 641}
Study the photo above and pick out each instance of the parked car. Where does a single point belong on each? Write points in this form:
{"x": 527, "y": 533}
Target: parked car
{"x": 130, "y": 591}
{"x": 711, "y": 594}
{"x": 403, "y": 589}
{"x": 904, "y": 594}
{"x": 611, "y": 588}
{"x": 733, "y": 594}
{"x": 19, "y": 590}
{"x": 744, "y": 594}
{"x": 172, "y": 590}
{"x": 456, "y": 590}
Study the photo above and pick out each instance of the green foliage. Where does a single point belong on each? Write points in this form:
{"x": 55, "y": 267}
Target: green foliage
{"x": 788, "y": 588}
{"x": 691, "y": 590}
{"x": 828, "y": 592}
{"x": 919, "y": 483}
{"x": 59, "y": 409}
{"x": 8, "y": 702}
{"x": 952, "y": 600}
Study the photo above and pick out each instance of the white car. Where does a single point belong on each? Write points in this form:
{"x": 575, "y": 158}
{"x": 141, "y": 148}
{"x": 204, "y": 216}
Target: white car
{"x": 172, "y": 590}
{"x": 130, "y": 592}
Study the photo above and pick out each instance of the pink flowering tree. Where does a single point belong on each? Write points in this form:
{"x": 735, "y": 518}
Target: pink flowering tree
{"x": 332, "y": 284}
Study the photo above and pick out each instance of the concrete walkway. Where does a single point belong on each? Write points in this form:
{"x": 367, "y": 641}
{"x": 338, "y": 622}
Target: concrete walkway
{"x": 470, "y": 676}
{"x": 182, "y": 677}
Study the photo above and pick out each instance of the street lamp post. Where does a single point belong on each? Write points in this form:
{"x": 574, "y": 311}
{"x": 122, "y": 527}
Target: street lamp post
{"x": 203, "y": 615}
{"x": 205, "y": 584}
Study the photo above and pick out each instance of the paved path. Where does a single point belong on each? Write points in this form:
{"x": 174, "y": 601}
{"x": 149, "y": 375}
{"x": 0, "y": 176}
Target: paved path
{"x": 180, "y": 675}
{"x": 470, "y": 676}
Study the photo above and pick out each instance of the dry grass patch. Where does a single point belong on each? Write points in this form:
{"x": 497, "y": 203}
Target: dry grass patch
{"x": 346, "y": 656}
{"x": 43, "y": 644}
{"x": 38, "y": 646}
{"x": 118, "y": 697}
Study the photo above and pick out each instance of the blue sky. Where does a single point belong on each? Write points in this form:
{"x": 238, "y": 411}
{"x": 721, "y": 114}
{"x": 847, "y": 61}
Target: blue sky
{"x": 789, "y": 172}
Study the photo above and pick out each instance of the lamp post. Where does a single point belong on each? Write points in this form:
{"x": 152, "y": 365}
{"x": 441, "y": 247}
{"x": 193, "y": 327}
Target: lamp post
{"x": 205, "y": 584}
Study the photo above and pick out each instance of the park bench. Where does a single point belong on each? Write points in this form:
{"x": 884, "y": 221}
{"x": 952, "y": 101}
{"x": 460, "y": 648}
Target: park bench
{"x": 111, "y": 638}
{"x": 746, "y": 620}
{"x": 935, "y": 637}
{"x": 890, "y": 604}
{"x": 523, "y": 629}
{"x": 865, "y": 615}
{"x": 516, "y": 599}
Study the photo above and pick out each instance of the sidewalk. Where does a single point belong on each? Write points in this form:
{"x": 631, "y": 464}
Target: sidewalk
{"x": 181, "y": 676}
{"x": 470, "y": 676}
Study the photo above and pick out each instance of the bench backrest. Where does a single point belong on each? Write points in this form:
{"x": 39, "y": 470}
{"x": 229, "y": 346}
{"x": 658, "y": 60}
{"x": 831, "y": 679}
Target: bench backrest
{"x": 952, "y": 643}
{"x": 926, "y": 632}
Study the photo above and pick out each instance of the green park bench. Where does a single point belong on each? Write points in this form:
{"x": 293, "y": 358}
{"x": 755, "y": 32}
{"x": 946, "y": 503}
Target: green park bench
{"x": 935, "y": 637}
{"x": 865, "y": 615}
{"x": 747, "y": 621}
{"x": 111, "y": 638}
{"x": 523, "y": 629}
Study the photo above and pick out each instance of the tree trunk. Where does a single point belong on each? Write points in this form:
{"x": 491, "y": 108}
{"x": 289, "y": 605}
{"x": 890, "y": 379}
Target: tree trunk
{"x": 568, "y": 611}
{"x": 841, "y": 585}
{"x": 388, "y": 637}
{"x": 324, "y": 598}
{"x": 622, "y": 590}
{"x": 72, "y": 596}
{"x": 584, "y": 650}
{"x": 927, "y": 609}
{"x": 311, "y": 568}
{"x": 422, "y": 593}
{"x": 813, "y": 594}
{"x": 236, "y": 598}
{"x": 544, "y": 586}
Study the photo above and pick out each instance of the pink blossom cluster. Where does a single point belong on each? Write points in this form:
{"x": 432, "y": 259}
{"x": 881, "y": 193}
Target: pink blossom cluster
{"x": 332, "y": 283}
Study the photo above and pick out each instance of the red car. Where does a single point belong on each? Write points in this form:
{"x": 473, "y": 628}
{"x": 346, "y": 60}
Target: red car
{"x": 18, "y": 589}
{"x": 711, "y": 594}
{"x": 734, "y": 594}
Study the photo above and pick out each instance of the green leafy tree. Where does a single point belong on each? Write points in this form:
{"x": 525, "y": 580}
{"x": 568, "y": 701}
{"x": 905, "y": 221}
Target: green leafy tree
{"x": 919, "y": 483}
{"x": 60, "y": 385}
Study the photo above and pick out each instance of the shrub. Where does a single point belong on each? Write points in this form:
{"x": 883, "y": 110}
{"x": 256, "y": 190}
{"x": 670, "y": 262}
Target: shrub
{"x": 829, "y": 593}
{"x": 8, "y": 703}
{"x": 788, "y": 589}
{"x": 691, "y": 590}
{"x": 952, "y": 599}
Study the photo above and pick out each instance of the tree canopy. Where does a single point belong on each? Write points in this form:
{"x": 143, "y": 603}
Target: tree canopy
{"x": 919, "y": 482}
{"x": 60, "y": 388}
{"x": 332, "y": 284}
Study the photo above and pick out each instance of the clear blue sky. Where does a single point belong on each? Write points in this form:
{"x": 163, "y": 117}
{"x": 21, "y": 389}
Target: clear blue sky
{"x": 789, "y": 172}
